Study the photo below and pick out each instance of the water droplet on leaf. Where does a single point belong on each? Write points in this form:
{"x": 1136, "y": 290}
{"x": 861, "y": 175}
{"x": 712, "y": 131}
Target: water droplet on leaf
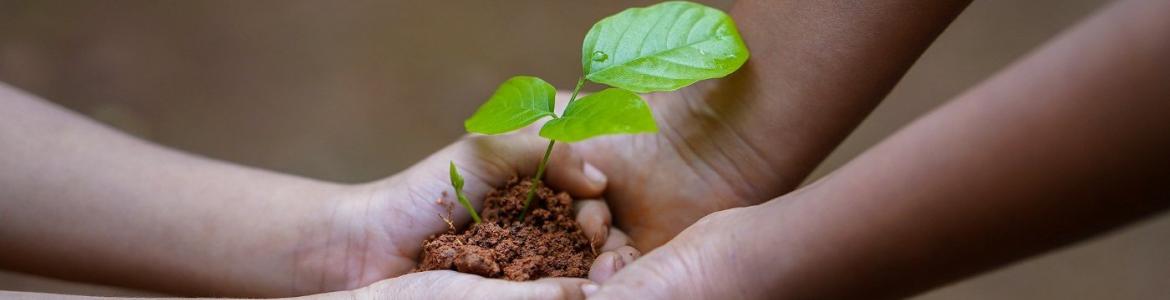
{"x": 599, "y": 56}
{"x": 721, "y": 34}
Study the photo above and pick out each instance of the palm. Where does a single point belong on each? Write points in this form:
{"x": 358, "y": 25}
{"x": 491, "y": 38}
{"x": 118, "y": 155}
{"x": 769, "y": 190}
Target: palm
{"x": 376, "y": 231}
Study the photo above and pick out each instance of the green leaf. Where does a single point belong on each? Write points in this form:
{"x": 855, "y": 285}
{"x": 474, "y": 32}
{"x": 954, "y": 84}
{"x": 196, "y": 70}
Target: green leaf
{"x": 611, "y": 111}
{"x": 516, "y": 103}
{"x": 457, "y": 183}
{"x": 456, "y": 179}
{"x": 663, "y": 47}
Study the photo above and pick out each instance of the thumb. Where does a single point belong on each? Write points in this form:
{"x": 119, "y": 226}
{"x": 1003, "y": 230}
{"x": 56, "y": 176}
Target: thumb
{"x": 453, "y": 285}
{"x": 568, "y": 171}
{"x": 492, "y": 159}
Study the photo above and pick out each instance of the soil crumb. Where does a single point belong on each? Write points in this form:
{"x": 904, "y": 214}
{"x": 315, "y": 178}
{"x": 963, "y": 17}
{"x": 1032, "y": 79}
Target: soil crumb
{"x": 549, "y": 243}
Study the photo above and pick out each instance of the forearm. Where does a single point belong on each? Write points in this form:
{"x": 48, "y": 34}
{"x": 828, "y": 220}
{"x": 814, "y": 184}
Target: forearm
{"x": 346, "y": 295}
{"x": 817, "y": 69}
{"x": 1068, "y": 143}
{"x": 84, "y": 202}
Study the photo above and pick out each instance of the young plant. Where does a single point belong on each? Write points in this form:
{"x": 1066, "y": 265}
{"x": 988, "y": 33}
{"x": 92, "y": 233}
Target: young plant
{"x": 658, "y": 48}
{"x": 457, "y": 183}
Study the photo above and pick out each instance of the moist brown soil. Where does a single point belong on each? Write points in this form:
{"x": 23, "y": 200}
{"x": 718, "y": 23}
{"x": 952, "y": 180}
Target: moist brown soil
{"x": 548, "y": 243}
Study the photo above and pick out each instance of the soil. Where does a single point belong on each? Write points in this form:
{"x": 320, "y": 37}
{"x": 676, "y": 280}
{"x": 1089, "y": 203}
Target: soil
{"x": 548, "y": 243}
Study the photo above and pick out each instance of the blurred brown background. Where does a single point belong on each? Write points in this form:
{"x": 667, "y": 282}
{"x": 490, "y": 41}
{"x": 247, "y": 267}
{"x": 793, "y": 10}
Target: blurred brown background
{"x": 357, "y": 90}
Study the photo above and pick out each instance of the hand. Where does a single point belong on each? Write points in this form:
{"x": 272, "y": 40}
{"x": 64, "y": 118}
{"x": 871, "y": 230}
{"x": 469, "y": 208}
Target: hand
{"x": 376, "y": 230}
{"x": 454, "y": 285}
{"x": 697, "y": 164}
{"x": 713, "y": 259}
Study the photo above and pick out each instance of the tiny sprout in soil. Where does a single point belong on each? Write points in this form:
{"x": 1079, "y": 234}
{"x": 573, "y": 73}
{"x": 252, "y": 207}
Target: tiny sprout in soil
{"x": 658, "y": 48}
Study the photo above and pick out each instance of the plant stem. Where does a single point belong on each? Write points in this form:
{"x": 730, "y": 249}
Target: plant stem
{"x": 536, "y": 179}
{"x": 544, "y": 161}
{"x": 467, "y": 204}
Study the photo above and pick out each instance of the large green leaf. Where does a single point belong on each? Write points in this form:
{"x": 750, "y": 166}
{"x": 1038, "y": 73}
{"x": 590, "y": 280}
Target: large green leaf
{"x": 662, "y": 47}
{"x": 611, "y": 111}
{"x": 516, "y": 103}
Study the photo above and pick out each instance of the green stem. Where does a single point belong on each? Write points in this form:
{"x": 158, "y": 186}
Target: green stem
{"x": 544, "y": 161}
{"x": 467, "y": 204}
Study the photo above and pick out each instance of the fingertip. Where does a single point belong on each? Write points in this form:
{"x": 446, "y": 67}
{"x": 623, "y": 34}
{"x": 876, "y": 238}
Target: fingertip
{"x": 627, "y": 254}
{"x": 596, "y": 178}
{"x": 611, "y": 262}
{"x": 569, "y": 172}
{"x": 567, "y": 288}
{"x": 604, "y": 266}
{"x": 589, "y": 289}
{"x": 616, "y": 239}
{"x": 594, "y": 217}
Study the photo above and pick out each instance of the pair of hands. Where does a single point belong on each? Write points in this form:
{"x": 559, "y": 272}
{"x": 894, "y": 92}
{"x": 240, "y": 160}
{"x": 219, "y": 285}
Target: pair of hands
{"x": 656, "y": 185}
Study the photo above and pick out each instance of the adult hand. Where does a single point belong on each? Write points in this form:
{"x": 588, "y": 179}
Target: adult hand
{"x": 986, "y": 180}
{"x": 756, "y": 134}
{"x": 712, "y": 259}
{"x": 696, "y": 164}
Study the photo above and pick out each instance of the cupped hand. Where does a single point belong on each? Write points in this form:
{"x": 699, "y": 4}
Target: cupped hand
{"x": 702, "y": 160}
{"x": 375, "y": 231}
{"x": 716, "y": 258}
{"x": 454, "y": 285}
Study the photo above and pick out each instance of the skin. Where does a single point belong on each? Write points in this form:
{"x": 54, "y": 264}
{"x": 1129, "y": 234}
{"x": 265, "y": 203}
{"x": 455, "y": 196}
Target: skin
{"x": 817, "y": 69}
{"x": 705, "y": 146}
{"x": 859, "y": 221}
{"x": 424, "y": 285}
{"x": 1065, "y": 144}
{"x": 83, "y": 202}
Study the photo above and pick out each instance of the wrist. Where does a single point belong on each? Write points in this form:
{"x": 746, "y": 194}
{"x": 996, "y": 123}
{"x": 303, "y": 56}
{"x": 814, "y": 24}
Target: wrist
{"x": 800, "y": 253}
{"x": 355, "y": 235}
{"x": 758, "y": 254}
{"x": 271, "y": 244}
{"x": 323, "y": 228}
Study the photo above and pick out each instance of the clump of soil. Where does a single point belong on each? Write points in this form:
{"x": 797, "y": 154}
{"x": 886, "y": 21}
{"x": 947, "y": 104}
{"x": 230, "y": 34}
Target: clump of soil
{"x": 548, "y": 243}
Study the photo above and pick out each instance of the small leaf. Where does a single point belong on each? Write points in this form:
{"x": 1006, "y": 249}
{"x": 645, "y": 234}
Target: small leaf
{"x": 456, "y": 179}
{"x": 457, "y": 183}
{"x": 611, "y": 111}
{"x": 516, "y": 103}
{"x": 663, "y": 47}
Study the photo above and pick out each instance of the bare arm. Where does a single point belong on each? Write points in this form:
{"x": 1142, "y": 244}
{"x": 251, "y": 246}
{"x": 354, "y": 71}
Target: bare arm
{"x": 1065, "y": 144}
{"x": 83, "y": 202}
{"x": 817, "y": 69}
{"x": 422, "y": 285}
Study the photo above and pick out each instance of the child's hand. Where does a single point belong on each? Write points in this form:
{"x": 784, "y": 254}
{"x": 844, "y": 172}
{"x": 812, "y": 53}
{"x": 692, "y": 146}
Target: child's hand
{"x": 375, "y": 231}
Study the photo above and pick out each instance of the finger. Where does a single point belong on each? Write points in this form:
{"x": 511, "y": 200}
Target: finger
{"x": 604, "y": 266}
{"x": 616, "y": 239}
{"x": 569, "y": 172}
{"x": 594, "y": 217}
{"x": 628, "y": 254}
{"x": 447, "y": 284}
{"x": 491, "y": 160}
{"x": 610, "y": 262}
{"x": 545, "y": 288}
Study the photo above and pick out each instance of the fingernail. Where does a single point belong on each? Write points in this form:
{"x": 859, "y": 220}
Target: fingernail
{"x": 618, "y": 263}
{"x": 594, "y": 175}
{"x": 589, "y": 289}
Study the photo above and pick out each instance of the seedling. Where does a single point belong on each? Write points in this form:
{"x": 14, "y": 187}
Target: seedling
{"x": 457, "y": 183}
{"x": 658, "y": 48}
